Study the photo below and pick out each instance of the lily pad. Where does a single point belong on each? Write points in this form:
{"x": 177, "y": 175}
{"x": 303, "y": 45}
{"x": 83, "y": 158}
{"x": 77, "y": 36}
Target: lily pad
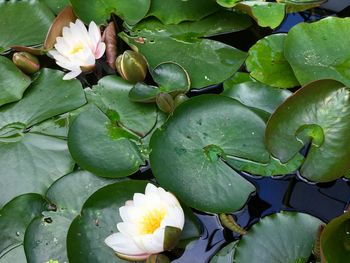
{"x": 225, "y": 255}
{"x": 266, "y": 62}
{"x": 170, "y": 77}
{"x": 15, "y": 218}
{"x": 335, "y": 240}
{"x": 46, "y": 97}
{"x": 318, "y": 113}
{"x": 256, "y": 95}
{"x": 13, "y": 82}
{"x": 99, "y": 11}
{"x": 228, "y": 3}
{"x": 283, "y": 237}
{"x": 188, "y": 152}
{"x": 266, "y": 14}
{"x": 300, "y": 5}
{"x": 16, "y": 255}
{"x": 111, "y": 96}
{"x": 17, "y": 29}
{"x": 45, "y": 237}
{"x": 56, "y": 6}
{"x": 207, "y": 61}
{"x": 100, "y": 146}
{"x": 30, "y": 164}
{"x": 320, "y": 50}
{"x": 174, "y": 11}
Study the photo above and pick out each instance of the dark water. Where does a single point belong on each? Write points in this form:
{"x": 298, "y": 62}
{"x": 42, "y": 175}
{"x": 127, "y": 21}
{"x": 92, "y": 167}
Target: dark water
{"x": 290, "y": 192}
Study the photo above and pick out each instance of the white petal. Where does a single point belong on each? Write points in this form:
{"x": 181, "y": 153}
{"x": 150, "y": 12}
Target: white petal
{"x": 139, "y": 199}
{"x": 100, "y": 50}
{"x": 128, "y": 229}
{"x": 175, "y": 218}
{"x": 71, "y": 75}
{"x": 151, "y": 188}
{"x": 152, "y": 243}
{"x": 124, "y": 245}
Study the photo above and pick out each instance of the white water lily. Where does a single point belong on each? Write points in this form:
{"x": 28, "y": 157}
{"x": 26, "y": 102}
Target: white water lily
{"x": 146, "y": 221}
{"x": 78, "y": 48}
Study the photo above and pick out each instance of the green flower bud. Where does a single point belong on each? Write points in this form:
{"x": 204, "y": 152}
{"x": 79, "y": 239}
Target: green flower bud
{"x": 180, "y": 99}
{"x": 157, "y": 259}
{"x": 131, "y": 66}
{"x": 26, "y": 62}
{"x": 165, "y": 102}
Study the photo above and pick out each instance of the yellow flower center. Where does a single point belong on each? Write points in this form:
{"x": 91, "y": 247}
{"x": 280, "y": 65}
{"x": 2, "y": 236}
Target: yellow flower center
{"x": 78, "y": 47}
{"x": 151, "y": 220}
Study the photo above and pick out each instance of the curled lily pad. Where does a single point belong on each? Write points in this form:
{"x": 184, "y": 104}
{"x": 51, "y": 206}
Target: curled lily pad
{"x": 46, "y": 235}
{"x": 174, "y": 11}
{"x": 300, "y": 5}
{"x": 13, "y": 82}
{"x": 320, "y": 50}
{"x": 15, "y": 217}
{"x": 266, "y": 14}
{"x": 266, "y": 62}
{"x": 188, "y": 153}
{"x": 335, "y": 240}
{"x": 100, "y": 146}
{"x": 131, "y": 11}
{"x": 17, "y": 29}
{"x": 282, "y": 237}
{"x": 318, "y": 113}
{"x": 171, "y": 78}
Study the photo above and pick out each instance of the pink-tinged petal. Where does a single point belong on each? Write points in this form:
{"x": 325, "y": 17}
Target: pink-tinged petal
{"x": 124, "y": 245}
{"x": 133, "y": 258}
{"x": 94, "y": 33}
{"x": 71, "y": 75}
{"x": 100, "y": 50}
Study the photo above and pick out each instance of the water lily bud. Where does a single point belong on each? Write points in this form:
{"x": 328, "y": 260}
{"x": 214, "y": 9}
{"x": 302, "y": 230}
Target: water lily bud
{"x": 165, "y": 102}
{"x": 131, "y": 66}
{"x": 152, "y": 223}
{"x": 78, "y": 48}
{"x": 180, "y": 99}
{"x": 26, "y": 62}
{"x": 158, "y": 259}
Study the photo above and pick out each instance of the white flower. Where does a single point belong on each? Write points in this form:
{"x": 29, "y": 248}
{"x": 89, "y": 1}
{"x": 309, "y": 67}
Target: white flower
{"x": 146, "y": 219}
{"x": 78, "y": 48}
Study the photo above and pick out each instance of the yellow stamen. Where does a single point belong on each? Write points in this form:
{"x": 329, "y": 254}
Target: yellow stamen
{"x": 76, "y": 48}
{"x": 151, "y": 220}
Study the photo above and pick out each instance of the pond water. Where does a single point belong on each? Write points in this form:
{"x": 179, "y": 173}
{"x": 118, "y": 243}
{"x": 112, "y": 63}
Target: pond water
{"x": 289, "y": 192}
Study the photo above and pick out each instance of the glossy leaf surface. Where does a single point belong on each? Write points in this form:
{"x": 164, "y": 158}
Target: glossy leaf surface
{"x": 99, "y": 11}
{"x": 13, "y": 82}
{"x": 17, "y": 29}
{"x": 320, "y": 50}
{"x": 282, "y": 237}
{"x": 318, "y": 113}
{"x": 266, "y": 62}
{"x": 188, "y": 152}
{"x": 105, "y": 149}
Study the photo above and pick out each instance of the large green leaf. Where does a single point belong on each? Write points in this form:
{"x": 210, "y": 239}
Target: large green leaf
{"x": 320, "y": 50}
{"x": 102, "y": 147}
{"x": 99, "y": 11}
{"x": 335, "y": 240}
{"x": 46, "y": 97}
{"x": 31, "y": 164}
{"x": 266, "y": 62}
{"x": 16, "y": 255}
{"x": 266, "y": 14}
{"x": 56, "y": 5}
{"x": 174, "y": 11}
{"x": 23, "y": 23}
{"x": 111, "y": 96}
{"x": 99, "y": 218}
{"x": 318, "y": 113}
{"x": 286, "y": 237}
{"x": 15, "y": 217}
{"x": 45, "y": 237}
{"x": 12, "y": 82}
{"x": 187, "y": 153}
{"x": 206, "y": 61}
